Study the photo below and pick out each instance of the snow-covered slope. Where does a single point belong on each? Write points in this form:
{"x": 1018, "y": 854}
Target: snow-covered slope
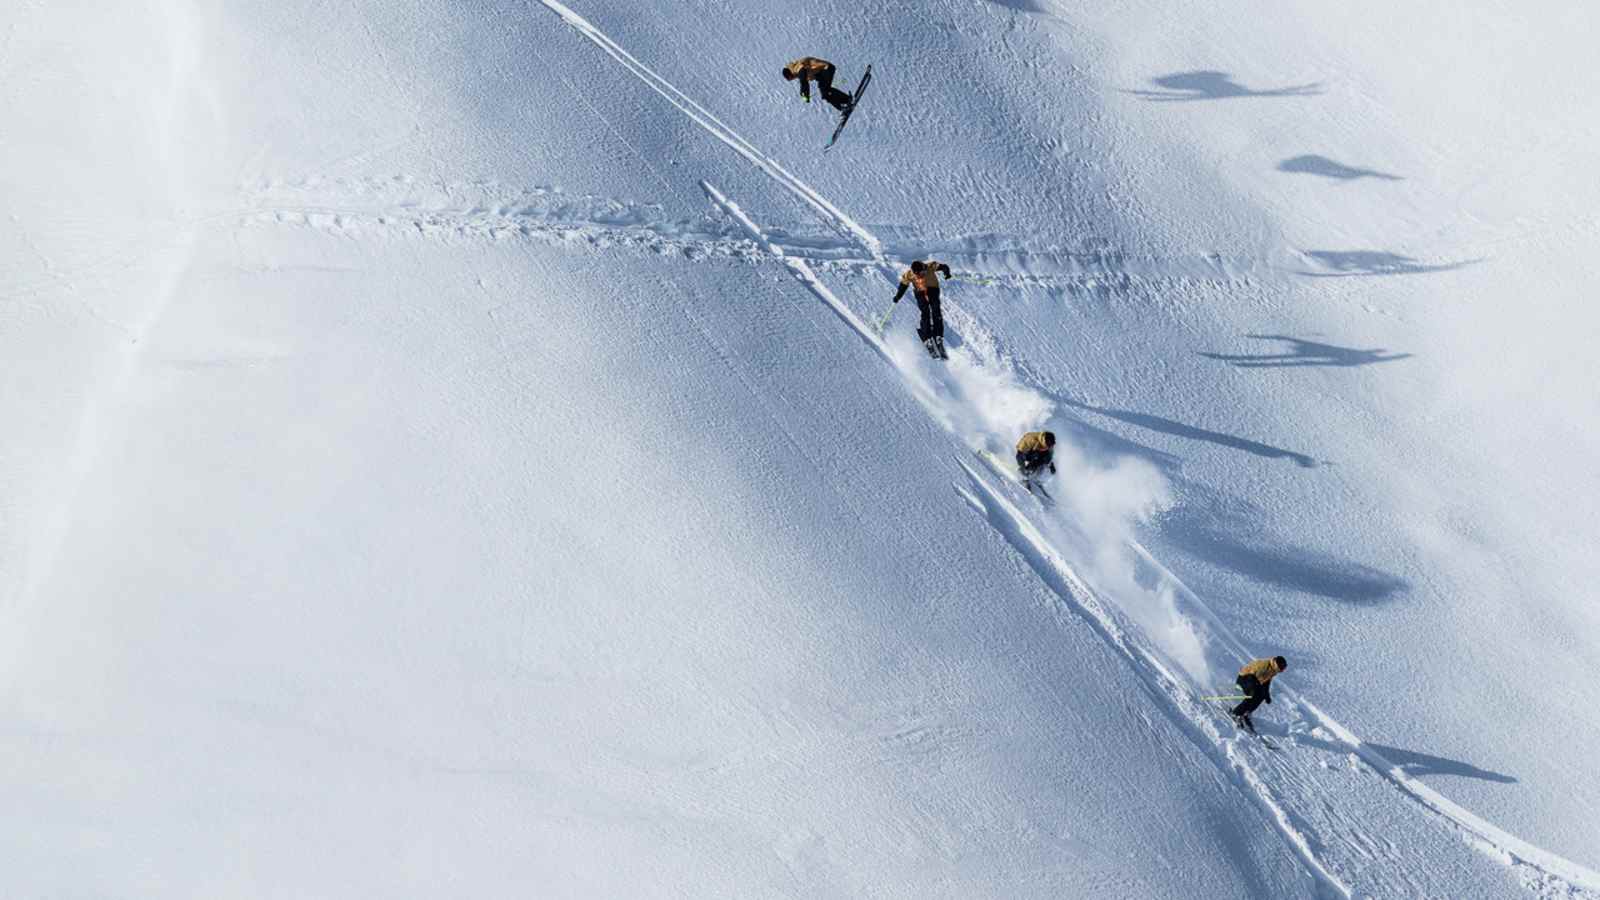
{"x": 452, "y": 451}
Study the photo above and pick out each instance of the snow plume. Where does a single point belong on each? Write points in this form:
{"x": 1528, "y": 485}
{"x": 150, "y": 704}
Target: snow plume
{"x": 1106, "y": 504}
{"x": 977, "y": 395}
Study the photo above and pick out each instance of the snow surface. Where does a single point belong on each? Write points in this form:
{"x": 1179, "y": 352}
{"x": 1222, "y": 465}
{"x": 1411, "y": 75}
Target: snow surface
{"x": 454, "y": 449}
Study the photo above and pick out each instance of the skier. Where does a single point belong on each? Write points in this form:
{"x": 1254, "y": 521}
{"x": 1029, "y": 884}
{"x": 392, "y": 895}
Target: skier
{"x": 1036, "y": 451}
{"x": 1255, "y": 680}
{"x": 809, "y": 69}
{"x": 923, "y": 279}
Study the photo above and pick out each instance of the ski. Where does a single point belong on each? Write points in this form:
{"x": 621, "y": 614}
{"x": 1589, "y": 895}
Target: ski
{"x": 1265, "y": 741}
{"x": 850, "y": 107}
{"x": 1246, "y": 725}
{"x": 996, "y": 464}
{"x": 1009, "y": 472}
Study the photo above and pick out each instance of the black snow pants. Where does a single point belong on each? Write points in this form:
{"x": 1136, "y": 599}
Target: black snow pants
{"x": 1030, "y": 463}
{"x": 932, "y": 324}
{"x": 839, "y": 99}
{"x": 1255, "y": 693}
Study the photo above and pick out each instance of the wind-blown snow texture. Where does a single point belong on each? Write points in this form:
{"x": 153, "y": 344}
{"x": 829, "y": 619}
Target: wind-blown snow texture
{"x": 454, "y": 449}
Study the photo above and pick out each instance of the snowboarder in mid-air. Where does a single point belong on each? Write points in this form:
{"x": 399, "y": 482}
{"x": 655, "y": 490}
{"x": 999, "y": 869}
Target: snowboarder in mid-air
{"x": 1035, "y": 453}
{"x": 923, "y": 279}
{"x": 1255, "y": 680}
{"x": 809, "y": 69}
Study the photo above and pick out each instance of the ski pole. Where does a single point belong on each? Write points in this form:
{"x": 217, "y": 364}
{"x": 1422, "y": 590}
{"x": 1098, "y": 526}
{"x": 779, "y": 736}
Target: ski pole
{"x": 965, "y": 276}
{"x": 884, "y": 322}
{"x": 1227, "y": 697}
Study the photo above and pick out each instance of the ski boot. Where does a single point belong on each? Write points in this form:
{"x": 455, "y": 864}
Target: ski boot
{"x": 938, "y": 346}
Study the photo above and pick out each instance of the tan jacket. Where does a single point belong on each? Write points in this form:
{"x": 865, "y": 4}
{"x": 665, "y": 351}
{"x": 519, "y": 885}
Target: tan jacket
{"x": 928, "y": 279}
{"x": 807, "y": 67}
{"x": 1263, "y": 669}
{"x": 1033, "y": 442}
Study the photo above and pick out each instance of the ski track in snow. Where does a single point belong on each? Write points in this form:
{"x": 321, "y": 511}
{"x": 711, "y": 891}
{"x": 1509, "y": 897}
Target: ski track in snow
{"x": 797, "y": 266}
{"x": 399, "y": 204}
{"x": 1020, "y": 531}
{"x": 1542, "y": 872}
{"x": 831, "y": 214}
{"x": 1336, "y": 847}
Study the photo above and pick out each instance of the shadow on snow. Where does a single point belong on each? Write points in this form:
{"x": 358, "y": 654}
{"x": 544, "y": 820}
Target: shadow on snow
{"x": 1327, "y": 168}
{"x": 1302, "y": 352}
{"x": 1208, "y": 85}
{"x": 1179, "y": 429}
{"x": 1418, "y": 765}
{"x": 1350, "y": 263}
{"x": 1227, "y": 544}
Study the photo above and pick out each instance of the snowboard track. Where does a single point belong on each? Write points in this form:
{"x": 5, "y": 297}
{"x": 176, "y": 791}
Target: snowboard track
{"x": 1540, "y": 871}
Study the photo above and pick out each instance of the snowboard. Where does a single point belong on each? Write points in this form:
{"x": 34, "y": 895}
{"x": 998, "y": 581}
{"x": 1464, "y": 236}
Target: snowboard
{"x": 850, "y": 107}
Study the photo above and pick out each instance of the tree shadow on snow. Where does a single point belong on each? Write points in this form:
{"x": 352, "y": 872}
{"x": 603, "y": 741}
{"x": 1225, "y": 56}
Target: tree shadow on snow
{"x": 1327, "y": 168}
{"x": 1178, "y": 429}
{"x": 1208, "y": 85}
{"x": 1229, "y": 544}
{"x": 1353, "y": 263}
{"x": 1302, "y": 352}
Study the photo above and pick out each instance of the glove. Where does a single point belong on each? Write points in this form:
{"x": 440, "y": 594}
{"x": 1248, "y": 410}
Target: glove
{"x": 807, "y": 96}
{"x": 897, "y": 298}
{"x": 1052, "y": 468}
{"x": 1269, "y": 701}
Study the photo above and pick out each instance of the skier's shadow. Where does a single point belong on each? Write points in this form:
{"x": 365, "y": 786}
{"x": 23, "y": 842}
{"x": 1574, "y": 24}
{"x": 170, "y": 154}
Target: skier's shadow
{"x": 1410, "y": 762}
{"x": 1350, "y": 263}
{"x": 1027, "y": 6}
{"x": 1210, "y": 85}
{"x": 1301, "y": 352}
{"x": 1234, "y": 541}
{"x": 1419, "y": 764}
{"x": 1312, "y": 164}
{"x": 1179, "y": 429}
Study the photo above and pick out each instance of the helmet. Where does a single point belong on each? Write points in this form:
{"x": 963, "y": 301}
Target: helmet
{"x": 1282, "y": 663}
{"x": 1049, "y": 438}
{"x": 787, "y": 74}
{"x": 918, "y": 265}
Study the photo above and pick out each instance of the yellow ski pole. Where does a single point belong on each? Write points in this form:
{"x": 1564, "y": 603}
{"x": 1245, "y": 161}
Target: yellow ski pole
{"x": 883, "y": 323}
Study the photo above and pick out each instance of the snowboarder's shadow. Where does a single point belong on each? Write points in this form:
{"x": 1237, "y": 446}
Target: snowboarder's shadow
{"x": 1210, "y": 85}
